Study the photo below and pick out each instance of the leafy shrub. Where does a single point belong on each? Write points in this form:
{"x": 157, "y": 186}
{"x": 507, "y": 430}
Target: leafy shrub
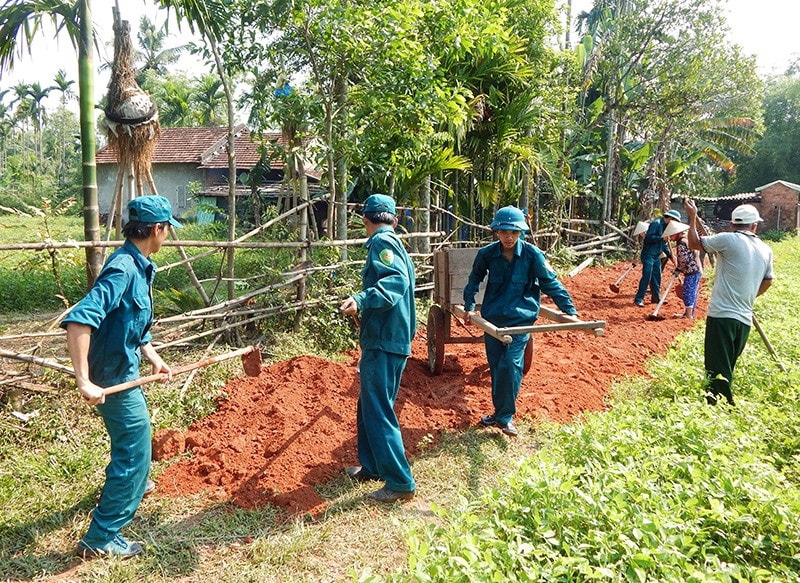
{"x": 776, "y": 235}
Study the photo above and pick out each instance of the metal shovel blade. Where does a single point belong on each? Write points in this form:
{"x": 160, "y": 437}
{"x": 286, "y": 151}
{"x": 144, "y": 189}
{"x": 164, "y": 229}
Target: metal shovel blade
{"x": 251, "y": 363}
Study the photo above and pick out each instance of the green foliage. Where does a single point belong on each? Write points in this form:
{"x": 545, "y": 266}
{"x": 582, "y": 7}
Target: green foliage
{"x": 662, "y": 487}
{"x": 776, "y": 153}
{"x": 331, "y": 331}
{"x": 49, "y": 279}
{"x": 776, "y": 235}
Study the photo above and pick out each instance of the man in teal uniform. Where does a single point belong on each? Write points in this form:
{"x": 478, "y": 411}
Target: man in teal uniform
{"x": 388, "y": 324}
{"x": 518, "y": 273}
{"x": 107, "y": 334}
{"x": 654, "y": 248}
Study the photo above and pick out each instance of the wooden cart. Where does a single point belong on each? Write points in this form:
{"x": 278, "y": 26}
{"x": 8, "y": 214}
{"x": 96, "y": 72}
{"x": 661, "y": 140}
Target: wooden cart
{"x": 451, "y": 268}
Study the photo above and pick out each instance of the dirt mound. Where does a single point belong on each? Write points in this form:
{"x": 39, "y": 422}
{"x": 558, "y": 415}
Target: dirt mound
{"x": 291, "y": 428}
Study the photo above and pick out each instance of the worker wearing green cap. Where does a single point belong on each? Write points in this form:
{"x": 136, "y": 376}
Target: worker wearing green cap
{"x": 387, "y": 326}
{"x": 518, "y": 272}
{"x": 107, "y": 334}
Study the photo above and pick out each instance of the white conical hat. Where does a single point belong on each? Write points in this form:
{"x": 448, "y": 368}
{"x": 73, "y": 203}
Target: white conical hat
{"x": 674, "y": 227}
{"x": 641, "y": 227}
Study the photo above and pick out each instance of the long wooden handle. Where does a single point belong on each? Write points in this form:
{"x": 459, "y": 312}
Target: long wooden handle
{"x": 664, "y": 296}
{"x": 768, "y": 344}
{"x": 624, "y": 273}
{"x": 484, "y": 325}
{"x": 179, "y": 370}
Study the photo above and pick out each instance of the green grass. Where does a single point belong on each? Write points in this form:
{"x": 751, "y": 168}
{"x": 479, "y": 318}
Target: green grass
{"x": 660, "y": 488}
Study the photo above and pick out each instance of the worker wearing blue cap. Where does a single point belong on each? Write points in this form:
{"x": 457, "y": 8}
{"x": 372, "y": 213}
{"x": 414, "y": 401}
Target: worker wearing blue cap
{"x": 517, "y": 274}
{"x": 654, "y": 249}
{"x": 107, "y": 334}
{"x": 387, "y": 326}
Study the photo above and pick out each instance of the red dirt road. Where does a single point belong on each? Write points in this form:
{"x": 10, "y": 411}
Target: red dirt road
{"x": 293, "y": 427}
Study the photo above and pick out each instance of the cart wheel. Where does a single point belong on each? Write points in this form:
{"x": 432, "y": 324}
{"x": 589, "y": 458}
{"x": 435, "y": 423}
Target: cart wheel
{"x": 528, "y": 358}
{"x": 436, "y": 339}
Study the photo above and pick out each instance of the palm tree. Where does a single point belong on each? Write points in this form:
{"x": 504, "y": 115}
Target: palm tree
{"x": 63, "y": 86}
{"x": 209, "y": 99}
{"x": 6, "y": 129}
{"x": 35, "y": 111}
{"x": 153, "y": 56}
{"x": 20, "y": 22}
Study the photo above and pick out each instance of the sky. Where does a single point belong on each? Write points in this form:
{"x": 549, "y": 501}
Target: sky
{"x": 51, "y": 53}
{"x": 765, "y": 28}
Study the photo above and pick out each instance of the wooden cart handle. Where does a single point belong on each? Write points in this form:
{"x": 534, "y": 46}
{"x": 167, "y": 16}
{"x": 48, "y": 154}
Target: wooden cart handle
{"x": 565, "y": 322}
{"x": 484, "y": 325}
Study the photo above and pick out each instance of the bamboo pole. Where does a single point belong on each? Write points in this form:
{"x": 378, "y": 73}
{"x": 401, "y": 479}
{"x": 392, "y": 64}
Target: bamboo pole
{"x": 42, "y": 246}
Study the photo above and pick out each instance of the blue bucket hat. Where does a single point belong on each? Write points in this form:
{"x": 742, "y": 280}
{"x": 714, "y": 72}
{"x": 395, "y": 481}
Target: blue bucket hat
{"x": 151, "y": 209}
{"x": 509, "y": 218}
{"x": 379, "y": 203}
{"x": 672, "y": 214}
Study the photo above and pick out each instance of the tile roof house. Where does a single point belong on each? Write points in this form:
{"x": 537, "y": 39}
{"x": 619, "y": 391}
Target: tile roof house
{"x": 195, "y": 155}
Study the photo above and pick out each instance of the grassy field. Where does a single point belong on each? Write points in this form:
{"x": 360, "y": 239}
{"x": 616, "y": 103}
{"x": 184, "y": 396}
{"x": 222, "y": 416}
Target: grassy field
{"x": 659, "y": 488}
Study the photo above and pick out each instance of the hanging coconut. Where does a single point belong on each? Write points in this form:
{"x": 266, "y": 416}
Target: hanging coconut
{"x": 131, "y": 116}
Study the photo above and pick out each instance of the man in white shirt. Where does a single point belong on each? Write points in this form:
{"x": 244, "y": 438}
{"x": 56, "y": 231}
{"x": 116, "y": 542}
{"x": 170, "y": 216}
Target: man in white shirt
{"x": 744, "y": 271}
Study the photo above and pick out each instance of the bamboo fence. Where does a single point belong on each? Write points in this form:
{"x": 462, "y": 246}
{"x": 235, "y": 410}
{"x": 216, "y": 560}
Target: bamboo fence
{"x": 234, "y": 318}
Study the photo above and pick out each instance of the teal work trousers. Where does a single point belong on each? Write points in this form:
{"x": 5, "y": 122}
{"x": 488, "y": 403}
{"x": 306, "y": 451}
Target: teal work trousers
{"x": 506, "y": 362}
{"x": 128, "y": 424}
{"x": 651, "y": 277}
{"x": 380, "y": 443}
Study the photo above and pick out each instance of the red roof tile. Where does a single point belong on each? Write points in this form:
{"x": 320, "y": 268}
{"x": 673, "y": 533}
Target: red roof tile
{"x": 206, "y": 147}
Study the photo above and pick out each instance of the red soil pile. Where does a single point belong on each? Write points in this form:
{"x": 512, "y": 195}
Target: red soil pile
{"x": 280, "y": 434}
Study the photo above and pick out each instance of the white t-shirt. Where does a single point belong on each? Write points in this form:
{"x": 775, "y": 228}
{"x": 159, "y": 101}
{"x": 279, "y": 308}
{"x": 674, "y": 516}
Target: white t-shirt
{"x": 743, "y": 262}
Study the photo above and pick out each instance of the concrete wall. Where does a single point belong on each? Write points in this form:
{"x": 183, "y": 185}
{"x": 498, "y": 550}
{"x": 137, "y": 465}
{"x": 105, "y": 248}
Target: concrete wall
{"x": 778, "y": 208}
{"x": 170, "y": 179}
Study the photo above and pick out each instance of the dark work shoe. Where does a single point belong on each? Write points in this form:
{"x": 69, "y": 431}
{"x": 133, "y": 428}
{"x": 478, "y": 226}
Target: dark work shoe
{"x": 358, "y": 474}
{"x": 387, "y": 496}
{"x": 118, "y": 547}
{"x": 488, "y": 421}
{"x": 508, "y": 429}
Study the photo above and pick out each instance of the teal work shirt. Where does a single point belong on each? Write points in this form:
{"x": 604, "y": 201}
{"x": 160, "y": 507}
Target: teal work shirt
{"x": 386, "y": 299}
{"x": 513, "y": 291}
{"x": 119, "y": 309}
{"x": 654, "y": 244}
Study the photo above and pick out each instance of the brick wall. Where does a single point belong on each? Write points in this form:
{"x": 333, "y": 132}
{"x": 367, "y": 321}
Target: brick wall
{"x": 778, "y": 208}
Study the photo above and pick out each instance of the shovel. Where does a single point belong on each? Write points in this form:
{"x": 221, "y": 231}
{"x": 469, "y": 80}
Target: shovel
{"x": 654, "y": 315}
{"x": 614, "y": 287}
{"x": 251, "y": 363}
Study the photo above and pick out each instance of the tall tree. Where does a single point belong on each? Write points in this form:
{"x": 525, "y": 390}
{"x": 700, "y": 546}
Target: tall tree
{"x": 779, "y": 150}
{"x": 660, "y": 66}
{"x": 64, "y": 86}
{"x": 208, "y": 101}
{"x": 211, "y": 18}
{"x": 20, "y": 21}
